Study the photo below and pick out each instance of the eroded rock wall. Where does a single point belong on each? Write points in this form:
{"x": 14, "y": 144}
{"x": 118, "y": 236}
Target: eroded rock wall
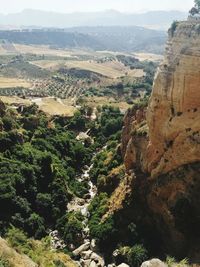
{"x": 173, "y": 114}
{"x": 162, "y": 147}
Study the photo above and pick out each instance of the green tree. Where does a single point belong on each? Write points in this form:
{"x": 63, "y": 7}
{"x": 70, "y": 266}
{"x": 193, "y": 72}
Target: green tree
{"x": 197, "y": 4}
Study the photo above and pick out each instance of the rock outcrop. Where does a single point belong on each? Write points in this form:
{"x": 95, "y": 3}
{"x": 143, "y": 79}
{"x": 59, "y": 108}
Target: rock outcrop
{"x": 173, "y": 115}
{"x": 162, "y": 145}
{"x": 174, "y": 110}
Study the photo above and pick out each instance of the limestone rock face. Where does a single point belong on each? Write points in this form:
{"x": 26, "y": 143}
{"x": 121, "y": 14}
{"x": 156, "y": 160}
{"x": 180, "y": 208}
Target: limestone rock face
{"x": 173, "y": 114}
{"x": 162, "y": 147}
{"x": 134, "y": 141}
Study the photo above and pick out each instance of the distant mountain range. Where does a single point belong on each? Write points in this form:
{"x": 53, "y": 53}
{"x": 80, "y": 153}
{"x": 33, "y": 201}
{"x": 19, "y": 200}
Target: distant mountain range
{"x": 113, "y": 38}
{"x": 38, "y": 18}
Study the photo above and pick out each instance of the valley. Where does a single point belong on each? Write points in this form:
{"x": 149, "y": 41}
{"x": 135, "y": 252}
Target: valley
{"x": 57, "y": 79}
{"x": 100, "y": 146}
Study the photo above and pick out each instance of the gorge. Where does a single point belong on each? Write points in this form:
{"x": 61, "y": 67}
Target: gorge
{"x": 115, "y": 192}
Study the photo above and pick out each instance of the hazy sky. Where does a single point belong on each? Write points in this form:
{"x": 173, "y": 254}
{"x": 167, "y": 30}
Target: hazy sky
{"x": 65, "y": 6}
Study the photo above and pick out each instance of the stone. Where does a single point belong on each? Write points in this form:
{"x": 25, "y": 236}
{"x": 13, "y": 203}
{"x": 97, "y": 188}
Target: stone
{"x": 93, "y": 246}
{"x": 82, "y": 248}
{"x": 154, "y": 263}
{"x": 93, "y": 264}
{"x": 123, "y": 265}
{"x": 98, "y": 259}
{"x": 85, "y": 263}
{"x": 86, "y": 254}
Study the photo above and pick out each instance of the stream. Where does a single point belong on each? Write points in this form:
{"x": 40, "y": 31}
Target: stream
{"x": 87, "y": 253}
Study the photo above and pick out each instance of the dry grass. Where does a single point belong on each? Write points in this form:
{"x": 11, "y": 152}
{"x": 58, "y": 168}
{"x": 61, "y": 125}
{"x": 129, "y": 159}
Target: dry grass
{"x": 49, "y": 64}
{"x": 149, "y": 57}
{"x": 41, "y": 50}
{"x": 15, "y": 259}
{"x": 111, "y": 69}
{"x": 43, "y": 257}
{"x": 13, "y": 82}
{"x": 100, "y": 101}
{"x": 119, "y": 196}
{"x": 14, "y": 100}
{"x": 52, "y": 106}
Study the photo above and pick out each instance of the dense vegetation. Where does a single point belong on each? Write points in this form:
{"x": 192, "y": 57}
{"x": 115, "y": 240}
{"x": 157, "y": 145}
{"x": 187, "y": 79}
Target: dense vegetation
{"x": 39, "y": 160}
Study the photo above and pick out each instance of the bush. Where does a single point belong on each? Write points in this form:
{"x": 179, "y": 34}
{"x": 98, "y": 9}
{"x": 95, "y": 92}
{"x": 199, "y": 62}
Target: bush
{"x": 134, "y": 256}
{"x": 4, "y": 263}
{"x": 18, "y": 240}
{"x": 173, "y": 27}
{"x": 70, "y": 226}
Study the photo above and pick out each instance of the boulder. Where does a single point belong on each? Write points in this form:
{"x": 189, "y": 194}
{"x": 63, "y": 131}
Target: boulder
{"x": 93, "y": 264}
{"x": 82, "y": 248}
{"x": 154, "y": 263}
{"x": 86, "y": 254}
{"x": 93, "y": 246}
{"x": 123, "y": 265}
{"x": 98, "y": 259}
{"x": 85, "y": 263}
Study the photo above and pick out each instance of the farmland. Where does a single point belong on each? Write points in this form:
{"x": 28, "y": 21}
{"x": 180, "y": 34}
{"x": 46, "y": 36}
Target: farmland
{"x": 111, "y": 69}
{"x": 57, "y": 80}
{"x": 13, "y": 82}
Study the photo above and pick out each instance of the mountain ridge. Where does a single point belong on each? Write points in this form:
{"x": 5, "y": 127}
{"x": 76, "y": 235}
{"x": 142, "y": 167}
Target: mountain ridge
{"x": 39, "y": 18}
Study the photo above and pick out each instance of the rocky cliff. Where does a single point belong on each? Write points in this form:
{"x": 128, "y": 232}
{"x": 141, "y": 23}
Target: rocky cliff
{"x": 162, "y": 144}
{"x": 173, "y": 115}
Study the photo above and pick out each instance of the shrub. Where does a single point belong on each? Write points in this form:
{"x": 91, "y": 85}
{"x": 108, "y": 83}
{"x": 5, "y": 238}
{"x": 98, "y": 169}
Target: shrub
{"x": 134, "y": 256}
{"x": 18, "y": 240}
{"x": 173, "y": 27}
{"x": 70, "y": 226}
{"x": 4, "y": 263}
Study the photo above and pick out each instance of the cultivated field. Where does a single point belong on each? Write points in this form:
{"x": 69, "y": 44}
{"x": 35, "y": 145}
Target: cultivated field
{"x": 148, "y": 57}
{"x": 111, "y": 69}
{"x": 49, "y": 105}
{"x": 14, "y": 100}
{"x": 100, "y": 101}
{"x": 34, "y": 49}
{"x": 13, "y": 82}
{"x": 54, "y": 106}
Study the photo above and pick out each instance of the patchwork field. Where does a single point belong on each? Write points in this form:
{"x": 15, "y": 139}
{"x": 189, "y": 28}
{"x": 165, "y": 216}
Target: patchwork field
{"x": 60, "y": 79}
{"x": 111, "y": 69}
{"x": 53, "y": 106}
{"x": 13, "y": 82}
{"x": 148, "y": 57}
{"x": 49, "y": 105}
{"x": 34, "y": 49}
{"x": 100, "y": 101}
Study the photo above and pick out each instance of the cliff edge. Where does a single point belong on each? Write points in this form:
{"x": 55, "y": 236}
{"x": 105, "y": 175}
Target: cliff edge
{"x": 161, "y": 145}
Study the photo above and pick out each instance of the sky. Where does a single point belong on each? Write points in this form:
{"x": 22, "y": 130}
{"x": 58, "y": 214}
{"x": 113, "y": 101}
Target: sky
{"x": 68, "y": 6}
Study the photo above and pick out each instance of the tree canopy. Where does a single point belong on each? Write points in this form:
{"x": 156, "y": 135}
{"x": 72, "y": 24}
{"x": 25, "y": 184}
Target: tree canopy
{"x": 197, "y": 4}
